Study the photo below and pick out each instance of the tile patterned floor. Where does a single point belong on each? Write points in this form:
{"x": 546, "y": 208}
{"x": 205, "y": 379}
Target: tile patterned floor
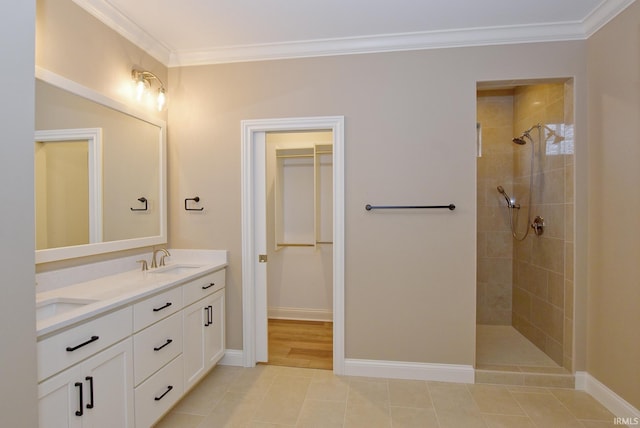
{"x": 503, "y": 345}
{"x": 278, "y": 397}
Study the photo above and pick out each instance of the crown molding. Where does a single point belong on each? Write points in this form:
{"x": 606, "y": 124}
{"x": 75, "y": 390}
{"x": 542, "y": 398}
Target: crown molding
{"x": 605, "y": 12}
{"x": 117, "y": 21}
{"x": 468, "y": 37}
{"x": 382, "y": 43}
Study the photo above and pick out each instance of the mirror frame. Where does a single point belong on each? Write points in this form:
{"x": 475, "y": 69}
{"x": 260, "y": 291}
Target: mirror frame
{"x": 63, "y": 253}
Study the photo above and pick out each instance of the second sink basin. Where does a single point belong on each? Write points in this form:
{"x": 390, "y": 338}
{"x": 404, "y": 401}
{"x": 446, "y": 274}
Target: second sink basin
{"x": 58, "y": 305}
{"x": 176, "y": 269}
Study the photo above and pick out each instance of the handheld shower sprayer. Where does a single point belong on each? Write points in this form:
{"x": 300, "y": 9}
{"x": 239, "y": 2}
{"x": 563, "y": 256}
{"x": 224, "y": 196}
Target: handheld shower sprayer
{"x": 510, "y": 203}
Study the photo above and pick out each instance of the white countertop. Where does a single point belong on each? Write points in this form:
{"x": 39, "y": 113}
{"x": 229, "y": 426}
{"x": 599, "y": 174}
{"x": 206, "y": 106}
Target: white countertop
{"x": 120, "y": 289}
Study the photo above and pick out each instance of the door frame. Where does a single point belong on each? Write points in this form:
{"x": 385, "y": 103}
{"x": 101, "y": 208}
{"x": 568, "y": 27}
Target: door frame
{"x": 251, "y": 131}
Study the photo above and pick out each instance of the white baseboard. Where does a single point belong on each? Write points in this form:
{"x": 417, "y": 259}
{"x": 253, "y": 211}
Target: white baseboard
{"x": 609, "y": 399}
{"x": 232, "y": 357}
{"x": 305, "y": 314}
{"x": 409, "y": 370}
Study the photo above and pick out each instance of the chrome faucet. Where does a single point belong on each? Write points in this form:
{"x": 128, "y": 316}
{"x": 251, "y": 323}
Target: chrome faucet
{"x": 154, "y": 263}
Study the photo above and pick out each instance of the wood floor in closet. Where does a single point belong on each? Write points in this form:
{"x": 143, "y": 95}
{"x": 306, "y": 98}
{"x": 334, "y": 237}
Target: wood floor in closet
{"x": 295, "y": 343}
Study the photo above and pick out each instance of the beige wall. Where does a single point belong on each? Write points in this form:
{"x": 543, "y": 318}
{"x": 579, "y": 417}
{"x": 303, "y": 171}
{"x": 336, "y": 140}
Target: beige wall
{"x": 410, "y": 138}
{"x": 613, "y": 317}
{"x": 18, "y": 391}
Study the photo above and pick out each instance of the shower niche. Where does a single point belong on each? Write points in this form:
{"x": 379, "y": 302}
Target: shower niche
{"x": 525, "y": 239}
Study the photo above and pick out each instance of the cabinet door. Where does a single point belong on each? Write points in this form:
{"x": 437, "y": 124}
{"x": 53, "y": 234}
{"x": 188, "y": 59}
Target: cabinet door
{"x": 59, "y": 400}
{"x": 194, "y": 319}
{"x": 214, "y": 330}
{"x": 95, "y": 393}
{"x": 108, "y": 380}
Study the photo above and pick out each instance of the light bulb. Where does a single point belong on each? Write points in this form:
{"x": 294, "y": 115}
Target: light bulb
{"x": 162, "y": 99}
{"x": 140, "y": 87}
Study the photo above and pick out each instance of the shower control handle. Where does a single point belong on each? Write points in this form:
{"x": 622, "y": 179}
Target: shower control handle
{"x": 538, "y": 225}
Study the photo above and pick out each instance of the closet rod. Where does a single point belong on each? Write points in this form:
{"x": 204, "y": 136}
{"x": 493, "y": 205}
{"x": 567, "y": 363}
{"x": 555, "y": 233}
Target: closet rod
{"x": 392, "y": 207}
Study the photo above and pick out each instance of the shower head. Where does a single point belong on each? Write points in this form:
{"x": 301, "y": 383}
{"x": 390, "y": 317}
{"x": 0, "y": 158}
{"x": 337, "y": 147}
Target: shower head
{"x": 521, "y": 139}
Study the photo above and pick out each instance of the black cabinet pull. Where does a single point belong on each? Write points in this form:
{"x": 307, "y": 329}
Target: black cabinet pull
{"x": 169, "y": 388}
{"x": 162, "y": 307}
{"x": 90, "y": 379}
{"x": 73, "y": 348}
{"x": 165, "y": 344}
{"x": 79, "y": 385}
{"x": 206, "y": 310}
{"x": 211, "y": 284}
{"x": 210, "y": 315}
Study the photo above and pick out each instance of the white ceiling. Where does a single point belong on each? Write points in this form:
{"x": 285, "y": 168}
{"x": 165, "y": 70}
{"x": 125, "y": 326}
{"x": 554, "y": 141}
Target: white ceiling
{"x": 189, "y": 32}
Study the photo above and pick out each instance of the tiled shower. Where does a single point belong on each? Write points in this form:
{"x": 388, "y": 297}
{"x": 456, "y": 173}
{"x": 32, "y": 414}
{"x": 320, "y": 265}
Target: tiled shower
{"x": 527, "y": 284}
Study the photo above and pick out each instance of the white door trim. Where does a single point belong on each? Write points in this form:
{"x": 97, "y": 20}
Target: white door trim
{"x": 249, "y": 129}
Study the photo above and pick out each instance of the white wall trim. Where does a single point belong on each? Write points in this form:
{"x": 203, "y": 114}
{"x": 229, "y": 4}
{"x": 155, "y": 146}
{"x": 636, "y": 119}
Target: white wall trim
{"x": 609, "y": 399}
{"x": 232, "y": 357}
{"x": 249, "y": 129}
{"x": 464, "y": 37}
{"x": 305, "y": 314}
{"x": 409, "y": 370}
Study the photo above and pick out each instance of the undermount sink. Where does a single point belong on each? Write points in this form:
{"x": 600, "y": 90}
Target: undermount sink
{"x": 176, "y": 269}
{"x": 59, "y": 305}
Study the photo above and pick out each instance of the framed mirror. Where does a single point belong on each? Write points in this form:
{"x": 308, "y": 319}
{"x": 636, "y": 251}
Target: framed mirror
{"x": 100, "y": 173}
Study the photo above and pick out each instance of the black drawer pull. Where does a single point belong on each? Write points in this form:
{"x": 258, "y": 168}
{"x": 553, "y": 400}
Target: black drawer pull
{"x": 162, "y": 307}
{"x": 90, "y": 379}
{"x": 211, "y": 284}
{"x": 79, "y": 385}
{"x": 165, "y": 344}
{"x": 169, "y": 388}
{"x": 73, "y": 348}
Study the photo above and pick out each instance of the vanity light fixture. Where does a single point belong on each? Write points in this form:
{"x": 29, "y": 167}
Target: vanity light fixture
{"x": 143, "y": 81}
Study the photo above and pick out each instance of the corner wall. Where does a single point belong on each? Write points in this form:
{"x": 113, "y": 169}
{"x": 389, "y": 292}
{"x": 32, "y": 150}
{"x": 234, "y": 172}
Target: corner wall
{"x": 18, "y": 388}
{"x": 613, "y": 314}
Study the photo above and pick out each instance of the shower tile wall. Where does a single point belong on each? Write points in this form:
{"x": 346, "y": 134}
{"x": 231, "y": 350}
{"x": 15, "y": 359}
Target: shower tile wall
{"x": 527, "y": 284}
{"x": 495, "y": 244}
{"x": 542, "y": 265}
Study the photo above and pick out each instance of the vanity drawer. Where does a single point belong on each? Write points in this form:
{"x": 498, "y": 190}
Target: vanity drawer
{"x": 156, "y": 346}
{"x": 65, "y": 349}
{"x": 157, "y": 394}
{"x": 156, "y": 308}
{"x": 204, "y": 286}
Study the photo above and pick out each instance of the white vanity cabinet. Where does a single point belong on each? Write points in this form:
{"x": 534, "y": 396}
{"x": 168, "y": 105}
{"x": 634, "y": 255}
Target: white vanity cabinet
{"x": 96, "y": 391}
{"x": 128, "y": 367}
{"x": 203, "y": 324}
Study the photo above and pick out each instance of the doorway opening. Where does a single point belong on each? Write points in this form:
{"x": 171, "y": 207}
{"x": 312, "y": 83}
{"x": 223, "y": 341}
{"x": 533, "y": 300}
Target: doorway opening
{"x": 525, "y": 226}
{"x": 299, "y": 198}
{"x": 324, "y": 240}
